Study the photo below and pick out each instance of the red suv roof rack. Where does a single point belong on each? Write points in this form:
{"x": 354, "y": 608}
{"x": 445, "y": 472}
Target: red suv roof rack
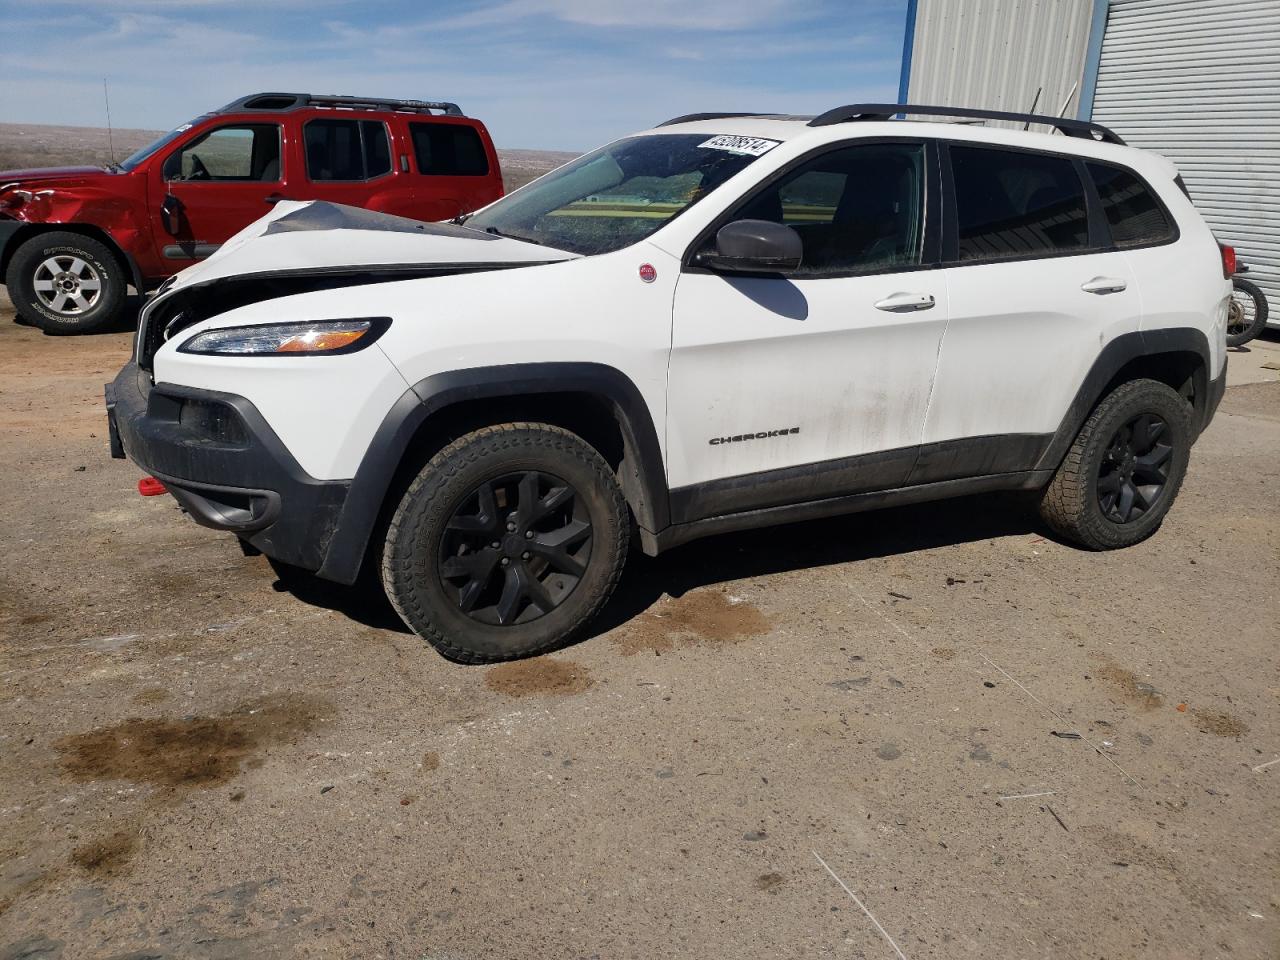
{"x": 278, "y": 102}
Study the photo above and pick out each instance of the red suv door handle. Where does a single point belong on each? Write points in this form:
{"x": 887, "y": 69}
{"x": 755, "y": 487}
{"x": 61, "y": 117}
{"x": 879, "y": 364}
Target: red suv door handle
{"x": 275, "y": 198}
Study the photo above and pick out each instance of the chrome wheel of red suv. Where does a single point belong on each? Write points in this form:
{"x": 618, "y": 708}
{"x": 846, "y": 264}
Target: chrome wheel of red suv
{"x": 67, "y": 285}
{"x": 66, "y": 282}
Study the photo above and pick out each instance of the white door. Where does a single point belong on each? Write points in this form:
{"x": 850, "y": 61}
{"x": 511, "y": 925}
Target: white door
{"x": 831, "y": 365}
{"x": 1034, "y": 295}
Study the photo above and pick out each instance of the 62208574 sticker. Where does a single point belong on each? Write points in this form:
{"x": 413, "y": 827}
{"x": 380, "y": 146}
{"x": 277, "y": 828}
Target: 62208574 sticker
{"x": 748, "y": 146}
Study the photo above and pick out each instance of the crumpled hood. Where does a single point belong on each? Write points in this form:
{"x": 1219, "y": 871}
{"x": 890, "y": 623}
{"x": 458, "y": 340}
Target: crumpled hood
{"x": 42, "y": 175}
{"x": 317, "y": 236}
{"x": 303, "y": 247}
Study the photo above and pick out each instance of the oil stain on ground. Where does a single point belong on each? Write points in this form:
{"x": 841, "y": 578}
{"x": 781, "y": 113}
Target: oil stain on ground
{"x": 107, "y": 855}
{"x": 188, "y": 753}
{"x": 1143, "y": 694}
{"x": 705, "y": 617}
{"x": 770, "y": 881}
{"x": 1219, "y": 723}
{"x": 541, "y": 676}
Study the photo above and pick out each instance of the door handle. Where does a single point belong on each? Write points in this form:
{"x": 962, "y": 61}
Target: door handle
{"x": 1101, "y": 285}
{"x": 906, "y": 302}
{"x": 276, "y": 198}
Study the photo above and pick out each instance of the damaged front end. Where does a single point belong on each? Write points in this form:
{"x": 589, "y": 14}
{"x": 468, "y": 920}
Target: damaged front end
{"x": 212, "y": 439}
{"x": 306, "y": 247}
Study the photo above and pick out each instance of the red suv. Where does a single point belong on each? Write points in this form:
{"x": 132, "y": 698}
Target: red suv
{"x": 72, "y": 239}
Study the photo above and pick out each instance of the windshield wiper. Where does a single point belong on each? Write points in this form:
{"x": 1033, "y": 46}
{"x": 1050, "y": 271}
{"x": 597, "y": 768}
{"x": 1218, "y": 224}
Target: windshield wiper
{"x": 511, "y": 236}
{"x": 461, "y": 218}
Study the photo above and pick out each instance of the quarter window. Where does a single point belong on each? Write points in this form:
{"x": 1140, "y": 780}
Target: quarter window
{"x": 1012, "y": 204}
{"x": 449, "y": 150}
{"x": 248, "y": 152}
{"x": 857, "y": 210}
{"x": 346, "y": 149}
{"x": 1134, "y": 215}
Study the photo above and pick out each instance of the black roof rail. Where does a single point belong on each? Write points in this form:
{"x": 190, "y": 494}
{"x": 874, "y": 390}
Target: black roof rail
{"x": 691, "y": 117}
{"x": 886, "y": 111}
{"x": 278, "y": 102}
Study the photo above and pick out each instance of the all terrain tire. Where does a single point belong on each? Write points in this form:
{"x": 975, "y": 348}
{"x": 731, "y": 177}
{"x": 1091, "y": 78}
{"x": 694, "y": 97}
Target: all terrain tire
{"x": 507, "y": 543}
{"x": 66, "y": 282}
{"x": 1124, "y": 469}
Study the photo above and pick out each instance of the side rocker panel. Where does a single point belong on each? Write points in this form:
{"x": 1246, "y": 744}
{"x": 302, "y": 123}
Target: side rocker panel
{"x": 644, "y": 482}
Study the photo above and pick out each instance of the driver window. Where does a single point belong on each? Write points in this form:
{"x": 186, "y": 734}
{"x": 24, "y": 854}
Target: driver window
{"x": 859, "y": 209}
{"x": 246, "y": 153}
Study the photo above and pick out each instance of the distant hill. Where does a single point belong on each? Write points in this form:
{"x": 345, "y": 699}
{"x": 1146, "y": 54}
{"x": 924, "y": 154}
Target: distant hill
{"x": 25, "y": 145}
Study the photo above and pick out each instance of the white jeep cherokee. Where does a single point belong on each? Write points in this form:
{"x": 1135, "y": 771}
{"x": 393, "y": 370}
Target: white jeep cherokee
{"x": 724, "y": 322}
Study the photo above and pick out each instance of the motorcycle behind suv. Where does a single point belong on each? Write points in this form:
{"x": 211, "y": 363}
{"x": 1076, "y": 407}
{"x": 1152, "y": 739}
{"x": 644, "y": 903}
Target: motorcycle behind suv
{"x": 1247, "y": 311}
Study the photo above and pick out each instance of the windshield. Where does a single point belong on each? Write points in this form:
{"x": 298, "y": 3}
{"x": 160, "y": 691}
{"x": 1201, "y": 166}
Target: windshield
{"x": 621, "y": 193}
{"x": 132, "y": 161}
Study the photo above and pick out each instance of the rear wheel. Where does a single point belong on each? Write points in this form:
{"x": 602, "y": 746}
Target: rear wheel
{"x": 507, "y": 543}
{"x": 1124, "y": 469}
{"x": 66, "y": 282}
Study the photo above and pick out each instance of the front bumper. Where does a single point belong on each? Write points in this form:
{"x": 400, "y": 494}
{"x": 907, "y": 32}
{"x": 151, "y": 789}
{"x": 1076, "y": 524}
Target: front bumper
{"x": 225, "y": 465}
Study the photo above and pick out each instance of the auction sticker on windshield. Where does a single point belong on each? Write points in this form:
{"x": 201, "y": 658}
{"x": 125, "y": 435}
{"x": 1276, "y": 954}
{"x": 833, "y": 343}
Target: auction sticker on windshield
{"x": 748, "y": 146}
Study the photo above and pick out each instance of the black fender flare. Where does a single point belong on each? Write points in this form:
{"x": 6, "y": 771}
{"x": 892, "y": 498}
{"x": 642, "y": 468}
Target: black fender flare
{"x": 1121, "y": 351}
{"x": 643, "y": 481}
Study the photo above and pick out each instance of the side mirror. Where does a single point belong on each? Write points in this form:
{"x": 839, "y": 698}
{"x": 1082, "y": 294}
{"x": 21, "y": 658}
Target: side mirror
{"x": 171, "y": 214}
{"x": 754, "y": 246}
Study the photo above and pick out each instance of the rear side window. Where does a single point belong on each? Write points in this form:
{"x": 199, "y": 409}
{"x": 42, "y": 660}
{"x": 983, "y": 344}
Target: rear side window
{"x": 1135, "y": 216}
{"x": 1011, "y": 204}
{"x": 346, "y": 149}
{"x": 449, "y": 150}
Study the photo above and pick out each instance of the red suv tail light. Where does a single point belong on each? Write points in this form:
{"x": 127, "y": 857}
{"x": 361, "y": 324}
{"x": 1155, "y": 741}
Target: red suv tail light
{"x": 1228, "y": 260}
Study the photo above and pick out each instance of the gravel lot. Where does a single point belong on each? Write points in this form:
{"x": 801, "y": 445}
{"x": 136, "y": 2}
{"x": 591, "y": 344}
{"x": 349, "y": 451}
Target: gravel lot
{"x": 201, "y": 756}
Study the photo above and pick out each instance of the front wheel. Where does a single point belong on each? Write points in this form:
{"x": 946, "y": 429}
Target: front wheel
{"x": 66, "y": 282}
{"x": 1124, "y": 469}
{"x": 507, "y": 543}
{"x": 1246, "y": 313}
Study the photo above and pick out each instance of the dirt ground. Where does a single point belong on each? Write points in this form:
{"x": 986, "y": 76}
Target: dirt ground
{"x": 1001, "y": 746}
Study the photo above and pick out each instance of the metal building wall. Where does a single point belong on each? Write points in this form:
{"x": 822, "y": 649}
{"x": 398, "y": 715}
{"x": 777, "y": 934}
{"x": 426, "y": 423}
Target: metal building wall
{"x": 1199, "y": 81}
{"x": 996, "y": 53}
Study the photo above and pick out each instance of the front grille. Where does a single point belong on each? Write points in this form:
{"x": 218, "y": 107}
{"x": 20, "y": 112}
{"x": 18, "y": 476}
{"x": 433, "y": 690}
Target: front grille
{"x": 158, "y": 325}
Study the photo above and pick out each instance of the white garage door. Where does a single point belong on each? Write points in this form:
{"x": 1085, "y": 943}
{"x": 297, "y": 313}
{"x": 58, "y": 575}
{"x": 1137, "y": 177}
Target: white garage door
{"x": 1199, "y": 81}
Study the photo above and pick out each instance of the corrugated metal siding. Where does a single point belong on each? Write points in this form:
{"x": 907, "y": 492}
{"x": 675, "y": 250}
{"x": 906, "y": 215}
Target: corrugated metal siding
{"x": 995, "y": 53}
{"x": 1199, "y": 81}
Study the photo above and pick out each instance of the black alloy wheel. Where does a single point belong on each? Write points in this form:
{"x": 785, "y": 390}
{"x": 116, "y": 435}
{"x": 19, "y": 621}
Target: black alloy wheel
{"x": 1134, "y": 469}
{"x": 516, "y": 548}
{"x": 1123, "y": 471}
{"x": 507, "y": 543}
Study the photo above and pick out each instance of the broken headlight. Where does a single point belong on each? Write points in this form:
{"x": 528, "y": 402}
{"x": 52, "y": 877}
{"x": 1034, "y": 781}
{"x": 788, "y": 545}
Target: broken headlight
{"x": 320, "y": 337}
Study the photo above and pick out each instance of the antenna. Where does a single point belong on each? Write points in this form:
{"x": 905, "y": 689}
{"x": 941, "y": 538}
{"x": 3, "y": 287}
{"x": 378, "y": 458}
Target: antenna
{"x": 111, "y": 143}
{"x": 1034, "y": 104}
{"x": 1063, "y": 111}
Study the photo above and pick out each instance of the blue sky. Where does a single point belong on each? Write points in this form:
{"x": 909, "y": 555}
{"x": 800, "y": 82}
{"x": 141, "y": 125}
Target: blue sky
{"x": 542, "y": 74}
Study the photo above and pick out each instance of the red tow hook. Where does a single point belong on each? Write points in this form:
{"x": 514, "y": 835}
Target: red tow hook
{"x": 151, "y": 487}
